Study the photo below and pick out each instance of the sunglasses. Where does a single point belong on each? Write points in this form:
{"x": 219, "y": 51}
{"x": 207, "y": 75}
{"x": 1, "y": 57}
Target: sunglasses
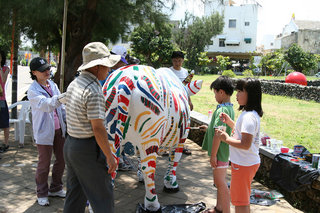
{"x": 47, "y": 69}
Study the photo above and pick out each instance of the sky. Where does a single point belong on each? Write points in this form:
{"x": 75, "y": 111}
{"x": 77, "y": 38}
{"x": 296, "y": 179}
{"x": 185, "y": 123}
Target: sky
{"x": 273, "y": 15}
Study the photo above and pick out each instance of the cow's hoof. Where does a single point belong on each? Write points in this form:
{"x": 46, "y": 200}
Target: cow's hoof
{"x": 170, "y": 190}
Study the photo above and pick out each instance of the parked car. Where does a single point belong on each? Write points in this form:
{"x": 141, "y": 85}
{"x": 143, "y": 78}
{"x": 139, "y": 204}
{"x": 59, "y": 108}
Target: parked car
{"x": 317, "y": 75}
{"x": 257, "y": 71}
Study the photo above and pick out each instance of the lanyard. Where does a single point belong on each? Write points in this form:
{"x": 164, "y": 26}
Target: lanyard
{"x": 46, "y": 90}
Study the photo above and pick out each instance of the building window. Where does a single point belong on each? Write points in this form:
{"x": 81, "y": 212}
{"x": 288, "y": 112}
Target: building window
{"x": 246, "y": 23}
{"x": 271, "y": 44}
{"x": 247, "y": 40}
{"x": 232, "y": 23}
{"x": 233, "y": 44}
{"x": 221, "y": 42}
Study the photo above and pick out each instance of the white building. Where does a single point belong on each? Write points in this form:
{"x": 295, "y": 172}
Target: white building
{"x": 239, "y": 36}
{"x": 271, "y": 42}
{"x": 305, "y": 33}
{"x": 302, "y": 32}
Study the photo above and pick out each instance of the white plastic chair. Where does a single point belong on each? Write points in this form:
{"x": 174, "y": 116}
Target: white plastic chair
{"x": 20, "y": 122}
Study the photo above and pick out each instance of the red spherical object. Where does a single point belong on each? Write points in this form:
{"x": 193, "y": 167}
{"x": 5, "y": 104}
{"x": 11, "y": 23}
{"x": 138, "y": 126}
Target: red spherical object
{"x": 296, "y": 78}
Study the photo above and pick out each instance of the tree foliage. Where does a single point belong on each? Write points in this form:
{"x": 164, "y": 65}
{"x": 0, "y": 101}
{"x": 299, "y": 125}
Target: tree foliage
{"x": 247, "y": 73}
{"x": 4, "y": 44}
{"x": 301, "y": 61}
{"x": 152, "y": 43}
{"x": 223, "y": 62}
{"x": 273, "y": 63}
{"x": 88, "y": 20}
{"x": 203, "y": 59}
{"x": 195, "y": 33}
{"x": 9, "y": 10}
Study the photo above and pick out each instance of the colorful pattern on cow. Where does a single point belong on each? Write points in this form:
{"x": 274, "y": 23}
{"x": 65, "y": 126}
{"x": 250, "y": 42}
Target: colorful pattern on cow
{"x": 150, "y": 109}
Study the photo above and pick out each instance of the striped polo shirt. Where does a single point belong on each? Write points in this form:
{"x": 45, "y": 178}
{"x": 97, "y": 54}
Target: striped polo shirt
{"x": 85, "y": 102}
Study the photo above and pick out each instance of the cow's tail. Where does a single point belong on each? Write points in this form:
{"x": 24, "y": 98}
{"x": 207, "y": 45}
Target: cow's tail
{"x": 118, "y": 115}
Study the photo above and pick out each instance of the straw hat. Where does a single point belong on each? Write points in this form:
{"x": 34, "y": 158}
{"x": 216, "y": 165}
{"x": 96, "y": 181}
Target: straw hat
{"x": 96, "y": 53}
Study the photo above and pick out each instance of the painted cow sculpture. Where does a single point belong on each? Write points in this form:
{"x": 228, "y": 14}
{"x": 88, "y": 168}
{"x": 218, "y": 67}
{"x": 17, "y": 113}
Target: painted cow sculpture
{"x": 150, "y": 109}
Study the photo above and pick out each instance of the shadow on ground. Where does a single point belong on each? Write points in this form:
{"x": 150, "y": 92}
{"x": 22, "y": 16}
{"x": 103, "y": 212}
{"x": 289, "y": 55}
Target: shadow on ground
{"x": 194, "y": 176}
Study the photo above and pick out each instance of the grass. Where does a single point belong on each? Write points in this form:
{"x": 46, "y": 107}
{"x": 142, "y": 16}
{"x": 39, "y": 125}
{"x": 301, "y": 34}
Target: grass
{"x": 288, "y": 119}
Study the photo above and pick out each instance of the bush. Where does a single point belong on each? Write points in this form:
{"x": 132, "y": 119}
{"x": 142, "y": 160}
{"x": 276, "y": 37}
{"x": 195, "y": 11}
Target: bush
{"x": 205, "y": 70}
{"x": 214, "y": 70}
{"x": 53, "y": 63}
{"x": 248, "y": 73}
{"x": 229, "y": 73}
{"x": 23, "y": 62}
{"x": 290, "y": 71}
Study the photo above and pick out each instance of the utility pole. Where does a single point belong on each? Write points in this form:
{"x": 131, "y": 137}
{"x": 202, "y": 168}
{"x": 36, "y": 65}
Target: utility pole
{"x": 14, "y": 65}
{"x": 64, "y": 30}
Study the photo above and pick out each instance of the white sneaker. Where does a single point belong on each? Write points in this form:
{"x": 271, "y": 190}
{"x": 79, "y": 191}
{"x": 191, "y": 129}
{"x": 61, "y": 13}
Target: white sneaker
{"x": 43, "y": 201}
{"x": 60, "y": 193}
{"x": 90, "y": 209}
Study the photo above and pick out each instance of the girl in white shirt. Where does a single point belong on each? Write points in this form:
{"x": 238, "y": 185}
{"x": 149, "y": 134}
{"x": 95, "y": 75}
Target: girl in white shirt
{"x": 244, "y": 144}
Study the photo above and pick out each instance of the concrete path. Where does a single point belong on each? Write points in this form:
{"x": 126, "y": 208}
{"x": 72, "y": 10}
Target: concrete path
{"x": 24, "y": 81}
{"x": 17, "y": 184}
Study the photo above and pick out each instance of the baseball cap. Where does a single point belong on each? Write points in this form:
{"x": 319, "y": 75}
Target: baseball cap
{"x": 120, "y": 50}
{"x": 39, "y": 64}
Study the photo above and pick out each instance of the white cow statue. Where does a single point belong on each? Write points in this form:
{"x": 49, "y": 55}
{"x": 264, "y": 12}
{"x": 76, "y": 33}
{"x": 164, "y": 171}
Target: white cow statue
{"x": 149, "y": 108}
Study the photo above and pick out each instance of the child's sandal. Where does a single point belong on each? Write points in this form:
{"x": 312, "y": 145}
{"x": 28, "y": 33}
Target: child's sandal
{"x": 214, "y": 210}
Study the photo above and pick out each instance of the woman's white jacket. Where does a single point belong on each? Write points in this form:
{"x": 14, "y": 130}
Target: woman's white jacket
{"x": 43, "y": 106}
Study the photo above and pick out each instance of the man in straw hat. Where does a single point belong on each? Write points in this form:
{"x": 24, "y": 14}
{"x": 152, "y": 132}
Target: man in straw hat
{"x": 87, "y": 175}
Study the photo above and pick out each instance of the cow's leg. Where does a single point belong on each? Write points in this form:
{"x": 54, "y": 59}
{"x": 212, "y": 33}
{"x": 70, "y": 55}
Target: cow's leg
{"x": 148, "y": 167}
{"x": 170, "y": 178}
{"x": 139, "y": 170}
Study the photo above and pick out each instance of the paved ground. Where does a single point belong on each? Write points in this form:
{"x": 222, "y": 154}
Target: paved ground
{"x": 24, "y": 82}
{"x": 17, "y": 185}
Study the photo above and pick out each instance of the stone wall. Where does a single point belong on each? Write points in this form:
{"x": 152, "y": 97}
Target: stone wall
{"x": 308, "y": 200}
{"x": 288, "y": 40}
{"x": 278, "y": 87}
{"x": 197, "y": 119}
{"x": 309, "y": 40}
{"x": 291, "y": 90}
{"x": 315, "y": 83}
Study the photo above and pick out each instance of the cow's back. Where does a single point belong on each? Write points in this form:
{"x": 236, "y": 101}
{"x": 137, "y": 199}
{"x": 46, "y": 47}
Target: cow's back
{"x": 146, "y": 107}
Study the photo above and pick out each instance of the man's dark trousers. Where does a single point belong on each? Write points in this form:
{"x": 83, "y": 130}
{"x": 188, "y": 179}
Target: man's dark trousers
{"x": 87, "y": 177}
